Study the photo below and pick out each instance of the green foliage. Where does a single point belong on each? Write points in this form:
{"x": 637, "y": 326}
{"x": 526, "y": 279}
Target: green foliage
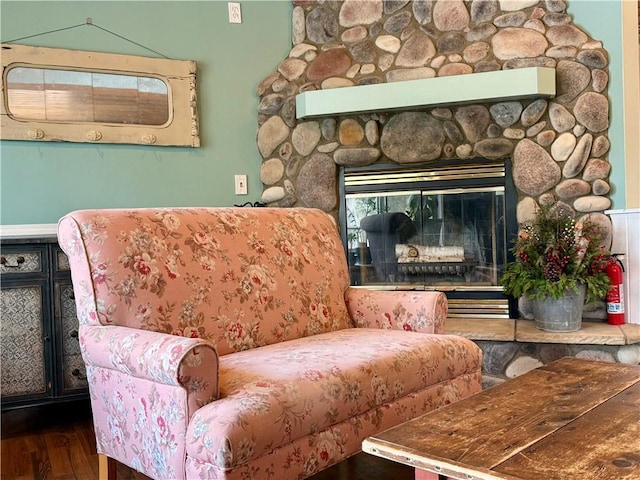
{"x": 425, "y": 205}
{"x": 357, "y": 209}
{"x": 554, "y": 253}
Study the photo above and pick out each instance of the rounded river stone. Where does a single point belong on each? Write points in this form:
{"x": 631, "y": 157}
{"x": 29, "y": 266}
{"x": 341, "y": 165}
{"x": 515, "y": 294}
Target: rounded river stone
{"x": 483, "y": 10}
{"x": 412, "y": 137}
{"x": 316, "y": 185}
{"x": 474, "y": 121}
{"x": 578, "y": 157}
{"x": 572, "y": 78}
{"x": 533, "y": 112}
{"x": 271, "y": 134}
{"x": 592, "y": 110}
{"x": 534, "y": 171}
{"x": 595, "y": 169}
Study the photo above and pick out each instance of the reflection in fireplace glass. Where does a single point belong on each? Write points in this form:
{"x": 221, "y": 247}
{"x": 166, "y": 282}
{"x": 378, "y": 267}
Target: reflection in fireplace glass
{"x": 439, "y": 227}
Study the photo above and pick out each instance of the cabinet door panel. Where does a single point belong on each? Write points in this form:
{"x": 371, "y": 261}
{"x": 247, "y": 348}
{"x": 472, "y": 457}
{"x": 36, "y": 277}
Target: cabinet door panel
{"x": 40, "y": 359}
{"x": 61, "y": 261}
{"x": 73, "y": 370}
{"x": 23, "y": 341}
{"x": 20, "y": 262}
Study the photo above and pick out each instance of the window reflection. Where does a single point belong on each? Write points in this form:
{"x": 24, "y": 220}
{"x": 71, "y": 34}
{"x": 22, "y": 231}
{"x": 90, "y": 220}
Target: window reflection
{"x": 81, "y": 96}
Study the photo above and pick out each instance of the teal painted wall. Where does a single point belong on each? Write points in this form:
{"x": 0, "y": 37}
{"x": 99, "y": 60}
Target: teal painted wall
{"x": 602, "y": 20}
{"x": 41, "y": 181}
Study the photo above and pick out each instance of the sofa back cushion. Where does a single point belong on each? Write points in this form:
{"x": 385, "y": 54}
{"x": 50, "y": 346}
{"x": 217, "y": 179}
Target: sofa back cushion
{"x": 238, "y": 277}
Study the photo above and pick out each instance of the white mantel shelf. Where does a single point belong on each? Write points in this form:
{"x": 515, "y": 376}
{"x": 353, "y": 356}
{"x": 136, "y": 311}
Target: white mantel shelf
{"x": 502, "y": 85}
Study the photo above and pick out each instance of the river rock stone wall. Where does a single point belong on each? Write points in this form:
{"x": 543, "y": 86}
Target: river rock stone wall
{"x": 558, "y": 146}
{"x": 505, "y": 360}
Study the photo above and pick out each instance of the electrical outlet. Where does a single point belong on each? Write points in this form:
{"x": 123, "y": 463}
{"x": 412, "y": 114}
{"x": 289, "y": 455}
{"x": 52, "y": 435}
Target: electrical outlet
{"x": 235, "y": 14}
{"x": 241, "y": 184}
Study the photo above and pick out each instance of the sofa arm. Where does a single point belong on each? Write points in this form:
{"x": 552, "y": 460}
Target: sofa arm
{"x": 191, "y": 363}
{"x": 424, "y": 312}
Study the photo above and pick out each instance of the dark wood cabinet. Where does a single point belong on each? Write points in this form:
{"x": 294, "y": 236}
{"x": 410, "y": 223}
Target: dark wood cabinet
{"x": 40, "y": 360}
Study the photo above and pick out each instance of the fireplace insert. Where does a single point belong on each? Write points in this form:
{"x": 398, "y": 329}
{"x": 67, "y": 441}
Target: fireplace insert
{"x": 443, "y": 226}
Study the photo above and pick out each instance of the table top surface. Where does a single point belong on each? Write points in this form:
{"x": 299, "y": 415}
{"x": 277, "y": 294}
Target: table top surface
{"x": 572, "y": 419}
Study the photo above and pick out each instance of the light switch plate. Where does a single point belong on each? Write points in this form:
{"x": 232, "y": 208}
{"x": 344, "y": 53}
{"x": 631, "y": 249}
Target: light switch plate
{"x": 241, "y": 184}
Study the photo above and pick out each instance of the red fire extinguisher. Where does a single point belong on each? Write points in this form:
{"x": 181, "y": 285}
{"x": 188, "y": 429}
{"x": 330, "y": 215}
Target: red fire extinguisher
{"x": 615, "y": 295}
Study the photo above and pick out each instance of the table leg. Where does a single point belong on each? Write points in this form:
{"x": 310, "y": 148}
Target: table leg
{"x": 424, "y": 475}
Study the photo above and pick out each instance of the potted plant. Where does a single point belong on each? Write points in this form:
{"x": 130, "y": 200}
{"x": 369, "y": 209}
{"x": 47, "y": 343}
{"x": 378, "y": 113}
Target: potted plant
{"x": 558, "y": 262}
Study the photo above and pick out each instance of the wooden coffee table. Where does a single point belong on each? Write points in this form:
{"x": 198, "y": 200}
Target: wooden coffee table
{"x": 570, "y": 420}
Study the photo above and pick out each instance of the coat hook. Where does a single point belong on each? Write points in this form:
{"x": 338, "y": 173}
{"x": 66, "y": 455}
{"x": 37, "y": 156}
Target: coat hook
{"x": 89, "y": 21}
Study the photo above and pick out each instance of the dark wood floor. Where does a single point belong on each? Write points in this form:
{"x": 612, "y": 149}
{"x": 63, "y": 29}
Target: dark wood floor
{"x": 56, "y": 442}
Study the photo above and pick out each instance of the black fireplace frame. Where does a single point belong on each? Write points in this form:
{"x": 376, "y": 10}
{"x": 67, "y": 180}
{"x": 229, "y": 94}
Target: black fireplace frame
{"x": 483, "y": 297}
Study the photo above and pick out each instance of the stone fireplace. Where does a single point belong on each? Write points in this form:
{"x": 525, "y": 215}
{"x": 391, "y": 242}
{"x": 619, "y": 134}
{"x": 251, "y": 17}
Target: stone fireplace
{"x": 557, "y": 146}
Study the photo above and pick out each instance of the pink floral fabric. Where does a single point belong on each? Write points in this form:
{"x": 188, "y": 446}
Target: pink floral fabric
{"x": 227, "y": 343}
{"x": 161, "y": 358}
{"x": 274, "y": 395}
{"x": 275, "y": 274}
{"x": 139, "y": 422}
{"x": 409, "y": 311}
{"x": 319, "y": 450}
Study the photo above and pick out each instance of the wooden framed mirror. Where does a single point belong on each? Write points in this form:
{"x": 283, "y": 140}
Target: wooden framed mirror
{"x": 51, "y": 94}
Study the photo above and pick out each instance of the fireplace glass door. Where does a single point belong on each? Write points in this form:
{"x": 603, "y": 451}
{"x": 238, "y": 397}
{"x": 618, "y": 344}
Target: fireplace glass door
{"x": 442, "y": 228}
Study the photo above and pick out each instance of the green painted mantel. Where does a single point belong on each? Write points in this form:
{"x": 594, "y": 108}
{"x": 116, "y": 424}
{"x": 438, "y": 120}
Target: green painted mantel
{"x": 502, "y": 85}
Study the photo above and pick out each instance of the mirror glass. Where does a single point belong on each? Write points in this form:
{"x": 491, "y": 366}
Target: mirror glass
{"x": 60, "y": 95}
{"x": 79, "y": 96}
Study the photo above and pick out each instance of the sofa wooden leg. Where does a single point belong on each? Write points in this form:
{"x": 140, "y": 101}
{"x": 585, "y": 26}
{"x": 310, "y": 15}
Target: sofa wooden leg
{"x": 106, "y": 467}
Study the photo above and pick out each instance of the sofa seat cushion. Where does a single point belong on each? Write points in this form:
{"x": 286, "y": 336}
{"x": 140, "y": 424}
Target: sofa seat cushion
{"x": 273, "y": 395}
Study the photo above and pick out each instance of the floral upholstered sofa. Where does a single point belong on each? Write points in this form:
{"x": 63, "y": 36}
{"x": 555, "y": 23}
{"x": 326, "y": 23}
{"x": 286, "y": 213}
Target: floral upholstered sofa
{"x": 226, "y": 343}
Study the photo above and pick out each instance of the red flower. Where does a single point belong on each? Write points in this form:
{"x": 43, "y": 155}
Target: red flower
{"x": 162, "y": 426}
{"x": 259, "y": 246}
{"x": 202, "y": 238}
{"x": 99, "y": 277}
{"x": 285, "y": 248}
{"x": 142, "y": 267}
{"x": 236, "y": 330}
{"x": 324, "y": 455}
{"x": 263, "y": 297}
{"x": 169, "y": 272}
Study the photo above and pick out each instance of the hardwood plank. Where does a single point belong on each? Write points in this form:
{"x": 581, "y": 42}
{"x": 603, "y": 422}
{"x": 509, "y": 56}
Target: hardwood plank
{"x": 431, "y": 463}
{"x": 16, "y": 459}
{"x": 28, "y": 434}
{"x": 40, "y": 458}
{"x": 592, "y": 368}
{"x": 577, "y": 451}
{"x": 57, "y": 448}
{"x": 85, "y": 450}
{"x": 488, "y": 428}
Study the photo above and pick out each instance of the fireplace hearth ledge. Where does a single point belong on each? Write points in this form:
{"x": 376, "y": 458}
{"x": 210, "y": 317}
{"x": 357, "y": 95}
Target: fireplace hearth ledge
{"x": 524, "y": 331}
